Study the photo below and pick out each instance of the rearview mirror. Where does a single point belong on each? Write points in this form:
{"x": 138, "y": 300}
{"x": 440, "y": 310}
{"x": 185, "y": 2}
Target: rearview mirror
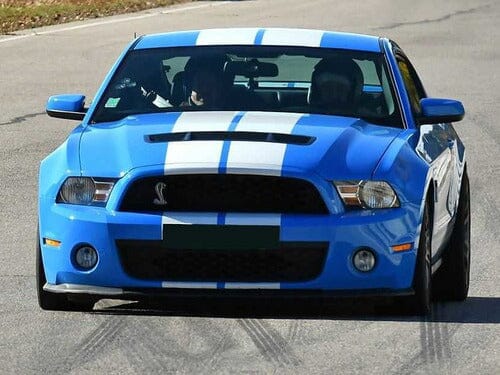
{"x": 437, "y": 111}
{"x": 251, "y": 68}
{"x": 67, "y": 106}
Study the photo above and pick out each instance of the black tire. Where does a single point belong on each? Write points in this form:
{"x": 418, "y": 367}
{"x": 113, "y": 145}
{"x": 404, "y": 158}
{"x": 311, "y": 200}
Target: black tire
{"x": 451, "y": 281}
{"x": 54, "y": 301}
{"x": 420, "y": 302}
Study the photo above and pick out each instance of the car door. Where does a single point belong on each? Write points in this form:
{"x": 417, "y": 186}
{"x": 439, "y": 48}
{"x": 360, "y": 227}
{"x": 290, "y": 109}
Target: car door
{"x": 438, "y": 146}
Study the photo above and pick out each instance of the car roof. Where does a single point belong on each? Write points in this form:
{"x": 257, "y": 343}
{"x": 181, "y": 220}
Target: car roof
{"x": 261, "y": 36}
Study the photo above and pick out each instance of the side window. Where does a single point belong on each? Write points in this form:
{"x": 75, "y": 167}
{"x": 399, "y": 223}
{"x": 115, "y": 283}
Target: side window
{"x": 412, "y": 84}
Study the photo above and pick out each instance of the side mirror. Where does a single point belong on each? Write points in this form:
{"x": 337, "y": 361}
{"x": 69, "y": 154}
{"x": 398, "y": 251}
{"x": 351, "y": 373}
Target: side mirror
{"x": 67, "y": 106}
{"x": 437, "y": 111}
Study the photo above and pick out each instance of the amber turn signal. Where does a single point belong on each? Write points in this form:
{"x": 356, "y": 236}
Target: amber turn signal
{"x": 402, "y": 247}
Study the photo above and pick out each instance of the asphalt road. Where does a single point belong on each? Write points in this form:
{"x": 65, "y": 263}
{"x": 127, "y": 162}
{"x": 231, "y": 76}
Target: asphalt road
{"x": 455, "y": 47}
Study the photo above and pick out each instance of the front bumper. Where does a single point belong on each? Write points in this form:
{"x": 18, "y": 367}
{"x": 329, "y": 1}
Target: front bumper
{"x": 147, "y": 293}
{"x": 344, "y": 233}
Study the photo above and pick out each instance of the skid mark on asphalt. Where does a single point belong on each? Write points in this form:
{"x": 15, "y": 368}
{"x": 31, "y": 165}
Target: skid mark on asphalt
{"x": 222, "y": 344}
{"x": 96, "y": 342}
{"x": 294, "y": 331}
{"x": 215, "y": 341}
{"x": 19, "y": 119}
{"x": 435, "y": 345}
{"x": 271, "y": 345}
{"x": 94, "y": 345}
{"x": 434, "y": 20}
{"x": 166, "y": 346}
{"x": 144, "y": 352}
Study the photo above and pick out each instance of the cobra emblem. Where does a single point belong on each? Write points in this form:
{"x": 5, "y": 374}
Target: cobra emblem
{"x": 160, "y": 193}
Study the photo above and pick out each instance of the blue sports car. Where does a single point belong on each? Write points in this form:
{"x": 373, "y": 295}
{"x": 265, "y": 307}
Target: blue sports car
{"x": 259, "y": 162}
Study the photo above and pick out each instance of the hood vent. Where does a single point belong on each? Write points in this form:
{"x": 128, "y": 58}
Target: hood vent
{"x": 301, "y": 140}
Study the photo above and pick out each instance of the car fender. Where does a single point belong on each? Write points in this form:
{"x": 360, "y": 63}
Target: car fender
{"x": 55, "y": 168}
{"x": 409, "y": 174}
{"x": 406, "y": 170}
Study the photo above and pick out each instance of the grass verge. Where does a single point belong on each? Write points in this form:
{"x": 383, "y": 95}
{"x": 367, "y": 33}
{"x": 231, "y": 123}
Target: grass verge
{"x": 25, "y": 14}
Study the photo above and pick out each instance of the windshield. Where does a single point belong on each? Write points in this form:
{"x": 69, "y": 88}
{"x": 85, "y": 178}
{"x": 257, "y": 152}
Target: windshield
{"x": 251, "y": 78}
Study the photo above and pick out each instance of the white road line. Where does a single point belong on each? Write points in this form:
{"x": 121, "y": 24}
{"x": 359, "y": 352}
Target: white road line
{"x": 112, "y": 21}
{"x": 16, "y": 38}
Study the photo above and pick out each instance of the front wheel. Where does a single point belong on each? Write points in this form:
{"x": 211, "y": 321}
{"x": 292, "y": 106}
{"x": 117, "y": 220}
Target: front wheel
{"x": 451, "y": 282}
{"x": 420, "y": 303}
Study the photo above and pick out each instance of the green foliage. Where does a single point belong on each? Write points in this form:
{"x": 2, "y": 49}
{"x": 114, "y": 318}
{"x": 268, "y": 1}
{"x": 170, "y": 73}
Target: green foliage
{"x": 25, "y": 14}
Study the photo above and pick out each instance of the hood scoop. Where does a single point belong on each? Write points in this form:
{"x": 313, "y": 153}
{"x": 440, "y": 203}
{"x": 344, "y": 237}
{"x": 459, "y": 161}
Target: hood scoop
{"x": 291, "y": 139}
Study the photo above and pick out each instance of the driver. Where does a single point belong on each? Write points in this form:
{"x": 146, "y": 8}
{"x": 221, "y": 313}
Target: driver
{"x": 206, "y": 90}
{"x": 336, "y": 86}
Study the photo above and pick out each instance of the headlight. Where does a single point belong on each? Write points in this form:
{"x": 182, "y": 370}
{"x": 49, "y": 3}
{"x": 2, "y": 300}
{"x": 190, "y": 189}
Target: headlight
{"x": 85, "y": 191}
{"x": 367, "y": 194}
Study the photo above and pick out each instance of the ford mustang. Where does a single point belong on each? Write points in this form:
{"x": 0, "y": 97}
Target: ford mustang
{"x": 255, "y": 162}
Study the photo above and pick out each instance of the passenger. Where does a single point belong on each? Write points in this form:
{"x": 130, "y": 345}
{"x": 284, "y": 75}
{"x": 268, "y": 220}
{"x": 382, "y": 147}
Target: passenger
{"x": 336, "y": 86}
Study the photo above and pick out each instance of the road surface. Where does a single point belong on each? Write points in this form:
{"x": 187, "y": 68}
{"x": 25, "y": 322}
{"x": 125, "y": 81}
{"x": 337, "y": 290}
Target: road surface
{"x": 454, "y": 46}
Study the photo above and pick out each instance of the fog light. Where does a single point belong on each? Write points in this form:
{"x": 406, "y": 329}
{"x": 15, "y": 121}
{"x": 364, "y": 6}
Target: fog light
{"x": 86, "y": 257}
{"x": 364, "y": 260}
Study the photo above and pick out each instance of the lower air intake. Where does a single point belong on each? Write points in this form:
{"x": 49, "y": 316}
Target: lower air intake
{"x": 290, "y": 263}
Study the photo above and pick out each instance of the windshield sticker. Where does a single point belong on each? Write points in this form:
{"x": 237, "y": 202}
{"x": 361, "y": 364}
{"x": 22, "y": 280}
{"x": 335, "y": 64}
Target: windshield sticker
{"x": 112, "y": 103}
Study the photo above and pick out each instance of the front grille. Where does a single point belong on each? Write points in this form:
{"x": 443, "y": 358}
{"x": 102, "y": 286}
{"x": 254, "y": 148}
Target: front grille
{"x": 289, "y": 262}
{"x": 224, "y": 193}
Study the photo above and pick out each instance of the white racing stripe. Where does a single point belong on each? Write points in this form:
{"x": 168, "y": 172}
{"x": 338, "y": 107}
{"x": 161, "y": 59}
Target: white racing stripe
{"x": 268, "y": 157}
{"x": 223, "y": 37}
{"x": 188, "y": 285}
{"x": 268, "y": 122}
{"x": 245, "y": 157}
{"x": 306, "y": 38}
{"x": 199, "y": 156}
{"x": 203, "y": 121}
{"x": 184, "y": 218}
{"x": 187, "y": 218}
{"x": 252, "y": 286}
{"x": 253, "y": 219}
{"x": 193, "y": 157}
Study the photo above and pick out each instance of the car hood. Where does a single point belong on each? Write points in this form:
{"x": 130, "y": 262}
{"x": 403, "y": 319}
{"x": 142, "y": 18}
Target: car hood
{"x": 220, "y": 142}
